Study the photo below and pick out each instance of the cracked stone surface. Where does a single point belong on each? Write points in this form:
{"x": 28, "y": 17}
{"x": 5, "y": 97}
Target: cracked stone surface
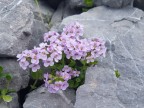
{"x": 17, "y": 27}
{"x": 123, "y": 29}
{"x": 41, "y": 98}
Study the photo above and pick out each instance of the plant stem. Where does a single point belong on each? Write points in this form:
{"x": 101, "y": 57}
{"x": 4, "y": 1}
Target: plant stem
{"x": 40, "y": 14}
{"x": 34, "y": 84}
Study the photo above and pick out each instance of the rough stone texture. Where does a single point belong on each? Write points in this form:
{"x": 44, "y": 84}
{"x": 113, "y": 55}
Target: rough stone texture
{"x": 123, "y": 29}
{"x": 68, "y": 11}
{"x": 64, "y": 10}
{"x": 41, "y": 98}
{"x": 109, "y": 3}
{"x": 42, "y": 11}
{"x": 20, "y": 77}
{"x": 13, "y": 104}
{"x": 57, "y": 16}
{"x": 16, "y": 27}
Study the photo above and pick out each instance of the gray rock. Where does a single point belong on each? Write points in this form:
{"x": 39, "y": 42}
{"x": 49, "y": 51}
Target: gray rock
{"x": 13, "y": 104}
{"x": 20, "y": 77}
{"x": 64, "y": 10}
{"x": 109, "y": 3}
{"x": 123, "y": 29}
{"x": 68, "y": 11}
{"x": 41, "y": 98}
{"x": 57, "y": 16}
{"x": 16, "y": 27}
{"x": 41, "y": 10}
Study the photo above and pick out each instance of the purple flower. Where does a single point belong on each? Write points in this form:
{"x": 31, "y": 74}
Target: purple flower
{"x": 42, "y": 54}
{"x": 51, "y": 88}
{"x": 90, "y": 59}
{"x": 72, "y": 44}
{"x": 75, "y": 73}
{"x": 24, "y": 64}
{"x": 50, "y": 36}
{"x": 64, "y": 85}
{"x": 48, "y": 62}
{"x": 76, "y": 55}
{"x": 34, "y": 67}
{"x": 57, "y": 85}
{"x": 67, "y": 68}
{"x": 19, "y": 56}
{"x": 56, "y": 56}
{"x": 68, "y": 54}
{"x": 50, "y": 48}
{"x": 64, "y": 75}
{"x": 43, "y": 45}
{"x": 34, "y": 59}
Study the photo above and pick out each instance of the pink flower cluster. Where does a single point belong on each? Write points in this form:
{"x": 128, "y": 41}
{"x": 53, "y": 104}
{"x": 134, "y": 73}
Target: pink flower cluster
{"x": 59, "y": 81}
{"x": 71, "y": 43}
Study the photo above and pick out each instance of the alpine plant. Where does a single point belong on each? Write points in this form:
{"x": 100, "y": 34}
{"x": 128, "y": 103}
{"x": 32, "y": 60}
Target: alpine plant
{"x": 61, "y": 49}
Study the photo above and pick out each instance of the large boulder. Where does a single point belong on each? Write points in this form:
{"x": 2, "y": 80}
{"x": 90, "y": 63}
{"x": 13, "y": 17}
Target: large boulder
{"x": 17, "y": 27}
{"x": 123, "y": 29}
{"x": 109, "y": 3}
{"x": 41, "y": 98}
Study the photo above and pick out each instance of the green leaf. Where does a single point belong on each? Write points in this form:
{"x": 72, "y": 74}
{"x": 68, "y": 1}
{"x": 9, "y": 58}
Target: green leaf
{"x": 78, "y": 80}
{"x": 8, "y": 77}
{"x": 59, "y": 67}
{"x": 7, "y": 98}
{"x": 72, "y": 63}
{"x": 76, "y": 85}
{"x": 83, "y": 62}
{"x": 71, "y": 83}
{"x": 89, "y": 3}
{"x": 117, "y": 74}
{"x": 37, "y": 75}
{"x": 1, "y": 69}
{"x": 94, "y": 63}
{"x": 4, "y": 91}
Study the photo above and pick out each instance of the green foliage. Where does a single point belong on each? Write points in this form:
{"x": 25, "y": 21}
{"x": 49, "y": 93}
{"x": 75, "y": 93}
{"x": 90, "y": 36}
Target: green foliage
{"x": 88, "y": 4}
{"x": 117, "y": 74}
{"x": 82, "y": 67}
{"x": 75, "y": 65}
{"x": 5, "y": 91}
{"x": 7, "y": 98}
{"x": 37, "y": 75}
